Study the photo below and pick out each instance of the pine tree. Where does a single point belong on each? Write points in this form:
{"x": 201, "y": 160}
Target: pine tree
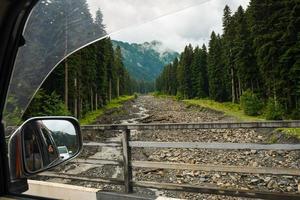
{"x": 203, "y": 64}
{"x": 228, "y": 37}
{"x": 217, "y": 74}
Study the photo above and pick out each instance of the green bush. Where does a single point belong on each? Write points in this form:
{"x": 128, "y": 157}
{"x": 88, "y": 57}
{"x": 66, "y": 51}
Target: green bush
{"x": 44, "y": 104}
{"x": 250, "y": 103}
{"x": 12, "y": 113}
{"x": 179, "y": 96}
{"x": 157, "y": 94}
{"x": 295, "y": 114}
{"x": 274, "y": 110}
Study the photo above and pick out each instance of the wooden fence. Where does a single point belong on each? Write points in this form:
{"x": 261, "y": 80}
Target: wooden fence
{"x": 128, "y": 164}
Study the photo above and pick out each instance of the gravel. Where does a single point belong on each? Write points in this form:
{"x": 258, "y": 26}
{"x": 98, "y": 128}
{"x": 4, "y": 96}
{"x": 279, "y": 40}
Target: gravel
{"x": 148, "y": 109}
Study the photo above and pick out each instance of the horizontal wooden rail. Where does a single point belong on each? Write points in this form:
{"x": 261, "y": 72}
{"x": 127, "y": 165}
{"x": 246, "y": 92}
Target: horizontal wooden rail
{"x": 127, "y": 144}
{"x": 81, "y": 178}
{"x": 217, "y": 168}
{"x": 102, "y": 144}
{"x": 218, "y": 146}
{"x": 210, "y": 189}
{"x": 97, "y": 162}
{"x": 205, "y": 125}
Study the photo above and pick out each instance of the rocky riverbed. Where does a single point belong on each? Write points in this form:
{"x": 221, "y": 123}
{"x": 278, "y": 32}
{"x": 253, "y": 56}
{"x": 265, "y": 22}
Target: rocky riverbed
{"x": 148, "y": 109}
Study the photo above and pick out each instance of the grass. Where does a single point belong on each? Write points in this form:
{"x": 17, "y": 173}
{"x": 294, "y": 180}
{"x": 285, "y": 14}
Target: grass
{"x": 293, "y": 132}
{"x": 159, "y": 95}
{"x": 233, "y": 110}
{"x": 91, "y": 117}
{"x": 229, "y": 109}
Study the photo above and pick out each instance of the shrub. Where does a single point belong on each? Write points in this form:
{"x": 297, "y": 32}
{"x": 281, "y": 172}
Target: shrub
{"x": 157, "y": 94}
{"x": 250, "y": 103}
{"x": 44, "y": 104}
{"x": 179, "y": 96}
{"x": 274, "y": 110}
{"x": 295, "y": 114}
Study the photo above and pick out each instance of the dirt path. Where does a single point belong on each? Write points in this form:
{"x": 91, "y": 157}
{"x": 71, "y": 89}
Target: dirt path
{"x": 147, "y": 109}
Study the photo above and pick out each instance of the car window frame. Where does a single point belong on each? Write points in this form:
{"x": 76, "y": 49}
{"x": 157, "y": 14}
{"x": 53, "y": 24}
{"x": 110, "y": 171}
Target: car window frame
{"x": 13, "y": 17}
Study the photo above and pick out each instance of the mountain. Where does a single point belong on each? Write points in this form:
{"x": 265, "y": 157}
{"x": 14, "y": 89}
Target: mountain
{"x": 145, "y": 61}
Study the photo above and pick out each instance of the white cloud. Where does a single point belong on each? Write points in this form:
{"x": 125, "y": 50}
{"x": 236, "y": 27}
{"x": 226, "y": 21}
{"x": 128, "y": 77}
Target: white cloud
{"x": 176, "y": 22}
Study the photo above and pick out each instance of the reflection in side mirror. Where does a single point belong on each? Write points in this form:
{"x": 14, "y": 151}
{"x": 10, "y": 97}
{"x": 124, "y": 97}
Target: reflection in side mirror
{"x": 43, "y": 143}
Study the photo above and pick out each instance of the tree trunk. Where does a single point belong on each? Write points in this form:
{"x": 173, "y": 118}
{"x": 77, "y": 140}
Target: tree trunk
{"x": 80, "y": 105}
{"x": 274, "y": 93}
{"x": 109, "y": 90}
{"x": 66, "y": 83}
{"x": 118, "y": 87}
{"x": 240, "y": 87}
{"x": 92, "y": 103}
{"x": 96, "y": 101}
{"x": 75, "y": 99}
{"x": 233, "y": 86}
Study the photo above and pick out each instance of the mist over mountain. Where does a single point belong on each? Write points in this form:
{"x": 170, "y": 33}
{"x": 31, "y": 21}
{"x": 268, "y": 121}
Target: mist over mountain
{"x": 145, "y": 61}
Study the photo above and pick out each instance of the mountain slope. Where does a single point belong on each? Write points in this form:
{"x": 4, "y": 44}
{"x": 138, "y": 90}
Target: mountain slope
{"x": 145, "y": 61}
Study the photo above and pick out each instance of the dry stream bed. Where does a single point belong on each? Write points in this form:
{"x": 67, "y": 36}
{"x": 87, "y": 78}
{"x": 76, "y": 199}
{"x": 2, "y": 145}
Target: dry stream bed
{"x": 147, "y": 109}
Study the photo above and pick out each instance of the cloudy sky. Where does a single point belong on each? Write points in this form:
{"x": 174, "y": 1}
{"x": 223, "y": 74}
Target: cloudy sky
{"x": 174, "y": 22}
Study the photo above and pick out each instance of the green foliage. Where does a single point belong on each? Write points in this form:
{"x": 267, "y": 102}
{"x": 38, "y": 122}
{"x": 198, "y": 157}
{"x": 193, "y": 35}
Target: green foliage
{"x": 230, "y": 109}
{"x": 95, "y": 74}
{"x": 91, "y": 117}
{"x": 258, "y": 51}
{"x": 186, "y": 77}
{"x": 295, "y": 115}
{"x": 44, "y": 104}
{"x": 294, "y": 132}
{"x": 179, "y": 96}
{"x": 251, "y": 104}
{"x": 12, "y": 112}
{"x": 217, "y": 73}
{"x": 274, "y": 110}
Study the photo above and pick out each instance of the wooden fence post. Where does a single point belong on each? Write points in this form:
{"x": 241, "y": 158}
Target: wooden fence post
{"x": 127, "y": 161}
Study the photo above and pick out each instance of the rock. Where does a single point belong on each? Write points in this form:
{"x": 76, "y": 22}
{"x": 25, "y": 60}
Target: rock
{"x": 233, "y": 178}
{"x": 272, "y": 184}
{"x": 253, "y": 151}
{"x": 280, "y": 152}
{"x": 217, "y": 175}
{"x": 219, "y": 183}
{"x": 260, "y": 137}
{"x": 289, "y": 177}
{"x": 289, "y": 189}
{"x": 202, "y": 179}
{"x": 227, "y": 185}
{"x": 283, "y": 182}
{"x": 254, "y": 181}
{"x": 267, "y": 179}
{"x": 254, "y": 164}
{"x": 161, "y": 173}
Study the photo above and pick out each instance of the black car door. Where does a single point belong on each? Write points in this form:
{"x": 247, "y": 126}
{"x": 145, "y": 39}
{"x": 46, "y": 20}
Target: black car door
{"x": 13, "y": 16}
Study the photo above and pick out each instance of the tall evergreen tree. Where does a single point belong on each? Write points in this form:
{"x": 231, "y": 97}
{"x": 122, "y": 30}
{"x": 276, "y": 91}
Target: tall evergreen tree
{"x": 217, "y": 73}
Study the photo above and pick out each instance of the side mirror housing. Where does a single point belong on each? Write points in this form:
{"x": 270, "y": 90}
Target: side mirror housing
{"x": 42, "y": 143}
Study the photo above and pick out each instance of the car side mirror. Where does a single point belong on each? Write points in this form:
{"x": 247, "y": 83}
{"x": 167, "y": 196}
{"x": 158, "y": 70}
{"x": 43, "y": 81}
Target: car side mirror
{"x": 42, "y": 143}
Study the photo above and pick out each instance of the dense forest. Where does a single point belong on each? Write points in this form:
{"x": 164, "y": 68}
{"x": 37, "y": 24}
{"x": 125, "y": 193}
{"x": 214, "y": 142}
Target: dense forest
{"x": 95, "y": 76}
{"x": 86, "y": 80}
{"x": 255, "y": 62}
